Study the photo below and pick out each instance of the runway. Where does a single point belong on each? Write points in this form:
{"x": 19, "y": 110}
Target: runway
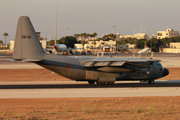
{"x": 72, "y": 89}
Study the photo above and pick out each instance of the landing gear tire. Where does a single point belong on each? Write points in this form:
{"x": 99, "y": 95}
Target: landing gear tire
{"x": 100, "y": 83}
{"x": 91, "y": 82}
{"x": 151, "y": 81}
{"x": 110, "y": 83}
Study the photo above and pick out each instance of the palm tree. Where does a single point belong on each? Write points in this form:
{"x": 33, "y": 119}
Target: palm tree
{"x": 91, "y": 36}
{"x": 87, "y": 36}
{"x": 95, "y": 34}
{"x": 76, "y": 36}
{"x": 1, "y": 44}
{"x": 84, "y": 37}
{"x": 5, "y": 35}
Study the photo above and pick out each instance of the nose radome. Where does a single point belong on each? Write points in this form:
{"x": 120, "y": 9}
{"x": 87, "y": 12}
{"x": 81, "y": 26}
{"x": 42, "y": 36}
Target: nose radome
{"x": 165, "y": 72}
{"x": 55, "y": 47}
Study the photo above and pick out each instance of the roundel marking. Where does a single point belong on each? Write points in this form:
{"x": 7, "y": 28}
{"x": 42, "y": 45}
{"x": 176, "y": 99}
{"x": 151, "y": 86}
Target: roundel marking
{"x": 68, "y": 66}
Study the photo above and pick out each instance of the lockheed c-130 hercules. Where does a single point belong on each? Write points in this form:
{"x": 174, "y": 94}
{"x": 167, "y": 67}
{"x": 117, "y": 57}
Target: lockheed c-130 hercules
{"x": 102, "y": 70}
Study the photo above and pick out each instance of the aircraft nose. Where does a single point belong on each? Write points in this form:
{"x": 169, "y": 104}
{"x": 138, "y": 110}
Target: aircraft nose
{"x": 55, "y": 47}
{"x": 165, "y": 72}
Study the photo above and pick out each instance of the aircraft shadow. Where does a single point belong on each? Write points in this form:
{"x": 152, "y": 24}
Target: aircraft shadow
{"x": 64, "y": 86}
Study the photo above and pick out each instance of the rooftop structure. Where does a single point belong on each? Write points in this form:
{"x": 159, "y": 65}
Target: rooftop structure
{"x": 168, "y": 33}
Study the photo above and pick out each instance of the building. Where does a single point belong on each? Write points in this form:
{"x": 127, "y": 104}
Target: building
{"x": 11, "y": 46}
{"x": 168, "y": 33}
{"x": 174, "y": 47}
{"x": 106, "y": 45}
{"x": 138, "y": 36}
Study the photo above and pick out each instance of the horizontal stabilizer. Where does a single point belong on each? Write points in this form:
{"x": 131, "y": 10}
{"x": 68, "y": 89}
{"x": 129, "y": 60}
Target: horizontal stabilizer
{"x": 12, "y": 60}
{"x": 32, "y": 60}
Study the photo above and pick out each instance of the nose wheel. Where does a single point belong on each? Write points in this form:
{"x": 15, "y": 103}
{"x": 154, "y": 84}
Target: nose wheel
{"x": 151, "y": 81}
{"x": 91, "y": 82}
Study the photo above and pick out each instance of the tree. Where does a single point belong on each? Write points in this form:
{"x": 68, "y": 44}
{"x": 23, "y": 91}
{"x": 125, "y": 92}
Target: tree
{"x": 1, "y": 43}
{"x": 94, "y": 44}
{"x": 87, "y": 36}
{"x": 165, "y": 41}
{"x": 91, "y": 36}
{"x": 121, "y": 41}
{"x": 95, "y": 34}
{"x": 98, "y": 39}
{"x": 5, "y": 35}
{"x": 141, "y": 43}
{"x": 51, "y": 42}
{"x": 77, "y": 36}
{"x": 69, "y": 41}
{"x": 83, "y": 41}
{"x": 109, "y": 37}
{"x": 156, "y": 43}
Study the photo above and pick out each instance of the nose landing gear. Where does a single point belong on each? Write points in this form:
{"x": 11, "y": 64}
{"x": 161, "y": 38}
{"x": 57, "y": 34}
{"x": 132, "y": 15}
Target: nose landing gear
{"x": 151, "y": 81}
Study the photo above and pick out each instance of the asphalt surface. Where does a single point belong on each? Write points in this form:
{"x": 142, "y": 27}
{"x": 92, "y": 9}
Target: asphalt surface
{"x": 70, "y": 89}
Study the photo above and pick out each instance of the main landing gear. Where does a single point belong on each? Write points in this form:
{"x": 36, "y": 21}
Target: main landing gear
{"x": 91, "y": 82}
{"x": 151, "y": 81}
{"x": 100, "y": 83}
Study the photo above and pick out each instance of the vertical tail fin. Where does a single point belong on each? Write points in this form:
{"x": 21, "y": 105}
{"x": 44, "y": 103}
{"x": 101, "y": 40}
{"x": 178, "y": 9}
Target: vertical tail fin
{"x": 27, "y": 44}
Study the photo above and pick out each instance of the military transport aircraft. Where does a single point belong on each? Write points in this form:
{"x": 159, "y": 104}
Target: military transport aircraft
{"x": 102, "y": 70}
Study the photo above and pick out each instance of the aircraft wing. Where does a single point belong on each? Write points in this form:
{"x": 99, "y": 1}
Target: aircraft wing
{"x": 101, "y": 62}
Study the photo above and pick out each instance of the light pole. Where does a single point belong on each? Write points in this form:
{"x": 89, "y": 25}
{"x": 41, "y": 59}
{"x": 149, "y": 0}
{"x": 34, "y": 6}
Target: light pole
{"x": 55, "y": 35}
{"x": 67, "y": 31}
{"x": 151, "y": 43}
{"x": 114, "y": 29}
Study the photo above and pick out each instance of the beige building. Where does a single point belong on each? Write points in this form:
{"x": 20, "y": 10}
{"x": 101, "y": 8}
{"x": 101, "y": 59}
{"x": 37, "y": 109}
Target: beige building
{"x": 43, "y": 43}
{"x": 98, "y": 44}
{"x": 11, "y": 46}
{"x": 138, "y": 36}
{"x": 173, "y": 48}
{"x": 168, "y": 33}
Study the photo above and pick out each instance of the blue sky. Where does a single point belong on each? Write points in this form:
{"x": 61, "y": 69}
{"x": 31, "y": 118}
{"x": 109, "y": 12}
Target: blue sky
{"x": 90, "y": 16}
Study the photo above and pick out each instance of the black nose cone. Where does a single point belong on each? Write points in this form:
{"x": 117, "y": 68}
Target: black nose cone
{"x": 165, "y": 72}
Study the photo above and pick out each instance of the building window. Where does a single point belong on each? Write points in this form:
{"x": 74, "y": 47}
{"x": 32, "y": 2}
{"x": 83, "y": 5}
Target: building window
{"x": 159, "y": 34}
{"x": 166, "y": 33}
